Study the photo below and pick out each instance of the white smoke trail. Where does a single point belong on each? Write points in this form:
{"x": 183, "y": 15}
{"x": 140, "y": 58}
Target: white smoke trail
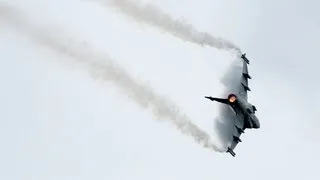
{"x": 152, "y": 15}
{"x": 102, "y": 67}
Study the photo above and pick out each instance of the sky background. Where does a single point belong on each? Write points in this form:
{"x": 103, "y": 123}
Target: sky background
{"x": 57, "y": 122}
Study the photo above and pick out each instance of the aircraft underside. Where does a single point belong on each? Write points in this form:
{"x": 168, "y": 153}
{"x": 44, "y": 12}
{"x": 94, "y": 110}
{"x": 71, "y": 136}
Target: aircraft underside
{"x": 245, "y": 117}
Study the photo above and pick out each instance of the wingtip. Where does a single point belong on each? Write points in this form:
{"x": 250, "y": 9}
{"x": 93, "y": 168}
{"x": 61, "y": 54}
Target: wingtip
{"x": 243, "y": 56}
{"x": 231, "y": 152}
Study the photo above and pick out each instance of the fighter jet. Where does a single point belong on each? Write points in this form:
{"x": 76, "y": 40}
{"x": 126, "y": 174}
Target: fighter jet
{"x": 244, "y": 111}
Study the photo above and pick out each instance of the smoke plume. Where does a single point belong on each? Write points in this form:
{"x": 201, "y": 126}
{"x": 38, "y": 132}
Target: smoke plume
{"x": 102, "y": 67}
{"x": 152, "y": 15}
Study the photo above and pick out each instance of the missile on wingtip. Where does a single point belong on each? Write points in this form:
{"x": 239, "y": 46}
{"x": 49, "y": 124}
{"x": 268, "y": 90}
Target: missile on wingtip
{"x": 243, "y": 56}
{"x": 231, "y": 152}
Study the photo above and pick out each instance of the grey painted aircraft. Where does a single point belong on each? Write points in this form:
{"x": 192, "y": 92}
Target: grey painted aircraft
{"x": 244, "y": 111}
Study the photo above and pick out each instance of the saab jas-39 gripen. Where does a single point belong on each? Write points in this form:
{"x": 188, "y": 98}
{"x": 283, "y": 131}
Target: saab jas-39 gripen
{"x": 244, "y": 111}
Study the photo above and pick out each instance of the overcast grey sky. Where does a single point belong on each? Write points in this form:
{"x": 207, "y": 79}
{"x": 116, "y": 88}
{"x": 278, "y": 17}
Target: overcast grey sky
{"x": 57, "y": 122}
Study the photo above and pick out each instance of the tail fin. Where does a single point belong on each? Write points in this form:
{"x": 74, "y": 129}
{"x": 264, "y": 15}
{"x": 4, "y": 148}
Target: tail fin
{"x": 224, "y": 101}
